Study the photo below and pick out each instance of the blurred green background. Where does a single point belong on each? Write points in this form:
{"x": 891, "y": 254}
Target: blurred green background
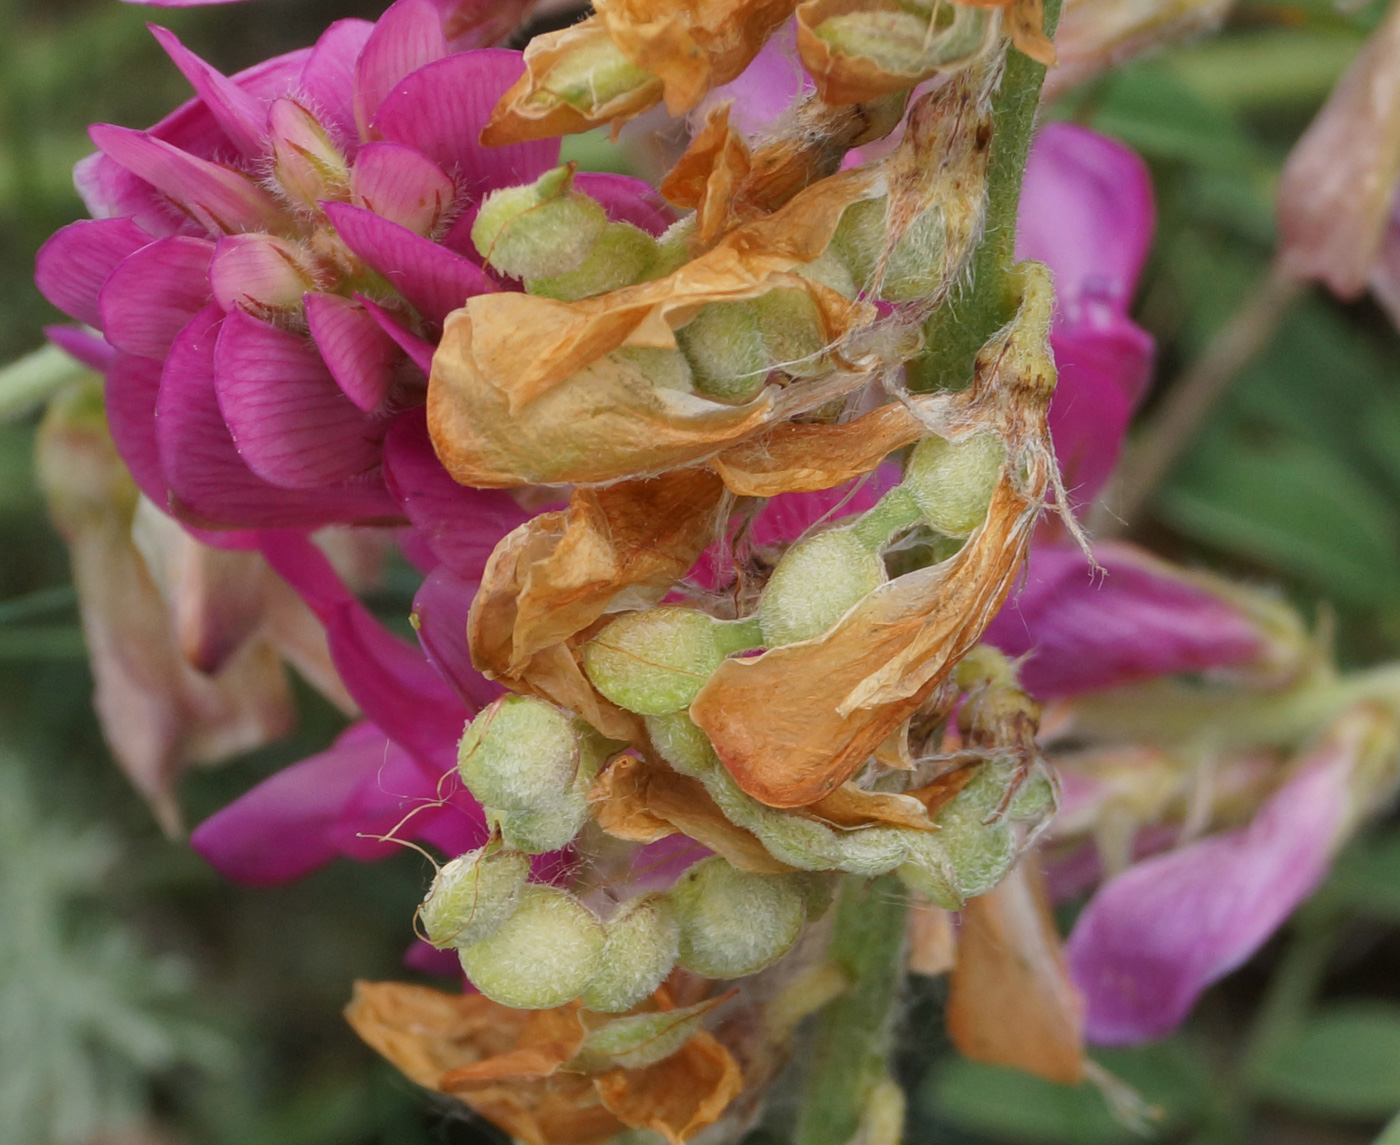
{"x": 145, "y": 1001}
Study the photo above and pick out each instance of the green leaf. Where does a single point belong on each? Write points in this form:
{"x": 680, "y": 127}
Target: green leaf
{"x": 1275, "y": 67}
{"x": 1390, "y": 1135}
{"x": 1343, "y": 1062}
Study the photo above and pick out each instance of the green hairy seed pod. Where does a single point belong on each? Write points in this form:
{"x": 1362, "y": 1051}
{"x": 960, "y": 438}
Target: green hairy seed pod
{"x": 544, "y": 955}
{"x": 792, "y": 331}
{"x": 519, "y": 754}
{"x": 816, "y": 583}
{"x": 733, "y": 922}
{"x": 664, "y": 369}
{"x": 728, "y": 357}
{"x": 643, "y": 1039}
{"x": 979, "y": 854}
{"x": 623, "y": 255}
{"x": 860, "y": 237}
{"x": 643, "y": 940}
{"x": 828, "y": 269}
{"x": 893, "y": 40}
{"x": 593, "y": 74}
{"x": 472, "y": 895}
{"x": 545, "y": 829}
{"x": 952, "y": 482}
{"x": 539, "y": 230}
{"x": 914, "y": 269}
{"x": 655, "y": 662}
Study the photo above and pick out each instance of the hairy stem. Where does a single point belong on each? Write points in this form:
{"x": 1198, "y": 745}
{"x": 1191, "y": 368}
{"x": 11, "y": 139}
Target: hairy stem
{"x": 853, "y": 1035}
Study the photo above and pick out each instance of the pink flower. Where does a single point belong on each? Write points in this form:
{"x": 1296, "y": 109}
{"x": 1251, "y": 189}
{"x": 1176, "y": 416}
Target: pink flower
{"x": 271, "y": 264}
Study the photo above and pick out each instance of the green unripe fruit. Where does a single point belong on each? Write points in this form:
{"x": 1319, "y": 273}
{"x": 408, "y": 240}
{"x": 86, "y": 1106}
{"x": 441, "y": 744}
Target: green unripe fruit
{"x": 733, "y": 922}
{"x": 915, "y": 268}
{"x": 952, "y": 482}
{"x": 643, "y": 940}
{"x": 727, "y": 354}
{"x": 664, "y": 369}
{"x": 815, "y": 584}
{"x": 1034, "y": 800}
{"x": 860, "y": 237}
{"x": 472, "y": 895}
{"x": 893, "y": 40}
{"x": 654, "y": 662}
{"x": 792, "y": 331}
{"x": 550, "y": 827}
{"x": 539, "y": 230}
{"x": 544, "y": 955}
{"x": 979, "y": 854}
{"x": 592, "y": 74}
{"x": 828, "y": 269}
{"x": 623, "y": 255}
{"x": 643, "y": 1039}
{"x": 519, "y": 754}
{"x": 673, "y": 248}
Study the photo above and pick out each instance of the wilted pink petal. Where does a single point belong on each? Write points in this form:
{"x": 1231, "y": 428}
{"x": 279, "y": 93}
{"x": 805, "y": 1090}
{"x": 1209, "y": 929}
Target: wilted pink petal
{"x": 460, "y": 524}
{"x": 75, "y": 261}
{"x": 328, "y": 80}
{"x": 440, "y": 610}
{"x": 408, "y": 36}
{"x": 1084, "y": 630}
{"x": 261, "y": 274}
{"x": 83, "y": 345}
{"x": 440, "y": 110}
{"x": 402, "y": 185}
{"x": 241, "y": 116}
{"x": 290, "y": 421}
{"x": 152, "y": 295}
{"x": 1156, "y": 936}
{"x": 219, "y": 198}
{"x": 433, "y": 279}
{"x": 419, "y": 352}
{"x": 359, "y": 354}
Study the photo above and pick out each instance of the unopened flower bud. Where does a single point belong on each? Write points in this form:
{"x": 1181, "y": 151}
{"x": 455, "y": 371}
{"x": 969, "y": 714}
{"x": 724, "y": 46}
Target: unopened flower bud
{"x": 655, "y": 662}
{"x": 542, "y": 956}
{"x": 734, "y": 922}
{"x": 952, "y": 482}
{"x": 664, "y": 369}
{"x": 539, "y": 230}
{"x": 472, "y": 895}
{"x": 623, "y": 255}
{"x": 519, "y": 754}
{"x": 643, "y": 940}
{"x": 642, "y": 1039}
{"x": 728, "y": 356}
{"x": 816, "y": 583}
{"x": 305, "y": 163}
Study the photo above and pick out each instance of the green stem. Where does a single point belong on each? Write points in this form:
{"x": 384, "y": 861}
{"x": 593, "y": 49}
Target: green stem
{"x": 961, "y": 326}
{"x": 853, "y": 1036}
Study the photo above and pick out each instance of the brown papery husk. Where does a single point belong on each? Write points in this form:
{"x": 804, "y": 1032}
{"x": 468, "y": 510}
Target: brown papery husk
{"x": 1024, "y": 22}
{"x": 843, "y": 78}
{"x": 794, "y": 723}
{"x": 510, "y": 1066}
{"x": 524, "y": 112}
{"x": 1010, "y": 998}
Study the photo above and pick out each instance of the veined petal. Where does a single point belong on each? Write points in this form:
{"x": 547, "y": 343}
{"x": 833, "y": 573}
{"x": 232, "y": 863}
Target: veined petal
{"x": 359, "y": 354}
{"x": 440, "y": 109}
{"x": 440, "y": 609}
{"x": 72, "y": 265}
{"x": 240, "y": 114}
{"x": 290, "y": 421}
{"x": 83, "y": 345}
{"x": 433, "y": 279}
{"x": 152, "y": 295}
{"x": 406, "y": 37}
{"x": 129, "y": 395}
{"x": 402, "y": 185}
{"x": 627, "y": 200}
{"x": 460, "y": 524}
{"x": 419, "y": 352}
{"x": 306, "y": 162}
{"x": 328, "y": 79}
{"x": 258, "y": 273}
{"x": 219, "y": 198}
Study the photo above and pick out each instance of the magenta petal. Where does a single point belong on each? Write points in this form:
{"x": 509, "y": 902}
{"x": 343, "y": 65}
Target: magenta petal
{"x": 1087, "y": 211}
{"x": 82, "y": 345}
{"x": 328, "y": 80}
{"x": 281, "y": 829}
{"x": 129, "y": 395}
{"x": 208, "y": 481}
{"x": 219, "y": 198}
{"x": 419, "y": 352}
{"x": 460, "y": 524}
{"x": 765, "y": 89}
{"x": 440, "y": 110}
{"x": 72, "y": 265}
{"x": 1085, "y": 631}
{"x": 152, "y": 295}
{"x": 241, "y": 116}
{"x": 627, "y": 200}
{"x": 358, "y": 353}
{"x": 403, "y": 185}
{"x": 390, "y": 679}
{"x": 1156, "y": 936}
{"x": 440, "y": 610}
{"x": 433, "y": 279}
{"x": 406, "y": 37}
{"x": 259, "y": 273}
{"x": 292, "y": 424}
{"x": 425, "y": 959}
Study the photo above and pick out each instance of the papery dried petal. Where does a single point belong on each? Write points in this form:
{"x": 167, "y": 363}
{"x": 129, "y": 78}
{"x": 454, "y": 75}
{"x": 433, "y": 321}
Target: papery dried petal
{"x": 676, "y": 1097}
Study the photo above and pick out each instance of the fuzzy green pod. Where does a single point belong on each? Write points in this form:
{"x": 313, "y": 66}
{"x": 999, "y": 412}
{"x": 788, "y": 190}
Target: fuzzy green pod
{"x": 622, "y": 255}
{"x": 734, "y": 922}
{"x": 654, "y": 662}
{"x": 953, "y": 481}
{"x": 792, "y": 331}
{"x": 915, "y": 266}
{"x": 642, "y": 1039}
{"x": 726, "y": 350}
{"x": 547, "y": 828}
{"x": 539, "y": 230}
{"x": 664, "y": 369}
{"x": 643, "y": 941}
{"x": 816, "y": 583}
{"x": 519, "y": 754}
{"x": 472, "y": 895}
{"x": 592, "y": 74}
{"x": 544, "y": 955}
